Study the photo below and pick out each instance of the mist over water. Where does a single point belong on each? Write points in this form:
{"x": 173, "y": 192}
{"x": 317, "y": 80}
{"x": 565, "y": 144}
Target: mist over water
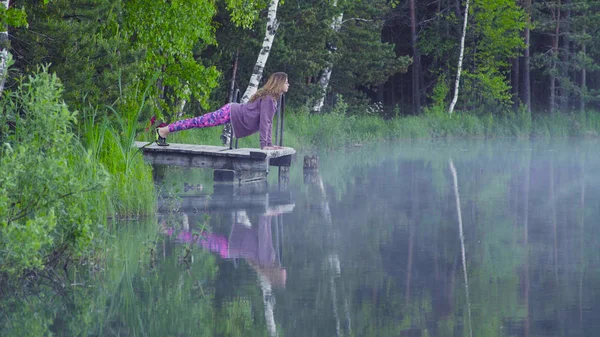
{"x": 410, "y": 239}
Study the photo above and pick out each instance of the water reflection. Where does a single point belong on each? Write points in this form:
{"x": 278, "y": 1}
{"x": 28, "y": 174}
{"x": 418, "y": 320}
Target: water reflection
{"x": 246, "y": 227}
{"x": 499, "y": 240}
{"x": 253, "y": 244}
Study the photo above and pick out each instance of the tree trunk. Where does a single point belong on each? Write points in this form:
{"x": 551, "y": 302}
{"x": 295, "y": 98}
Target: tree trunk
{"x": 527, "y": 59}
{"x": 336, "y": 24}
{"x": 460, "y": 59}
{"x": 583, "y": 89}
{"x": 554, "y": 55}
{"x": 566, "y": 50}
{"x": 515, "y": 82}
{"x": 181, "y": 103}
{"x": 3, "y": 51}
{"x": 271, "y": 29}
{"x": 416, "y": 69}
{"x": 233, "y": 75}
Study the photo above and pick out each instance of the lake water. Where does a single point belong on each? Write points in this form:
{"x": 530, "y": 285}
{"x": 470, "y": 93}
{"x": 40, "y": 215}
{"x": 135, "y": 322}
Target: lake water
{"x": 409, "y": 239}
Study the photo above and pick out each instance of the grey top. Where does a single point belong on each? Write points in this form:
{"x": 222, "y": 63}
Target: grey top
{"x": 249, "y": 118}
{"x": 254, "y": 243}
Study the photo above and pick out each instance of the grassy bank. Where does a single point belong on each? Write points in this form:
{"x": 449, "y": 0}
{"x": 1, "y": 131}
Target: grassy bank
{"x": 338, "y": 128}
{"x": 63, "y": 177}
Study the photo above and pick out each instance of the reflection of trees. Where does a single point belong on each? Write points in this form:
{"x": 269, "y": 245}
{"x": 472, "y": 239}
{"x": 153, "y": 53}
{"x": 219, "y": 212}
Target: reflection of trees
{"x": 332, "y": 263}
{"x": 462, "y": 243}
{"x": 379, "y": 252}
{"x": 132, "y": 297}
{"x": 526, "y": 281}
{"x": 401, "y": 263}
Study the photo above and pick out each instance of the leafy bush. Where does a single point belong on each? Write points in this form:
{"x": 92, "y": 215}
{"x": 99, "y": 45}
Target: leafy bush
{"x": 51, "y": 189}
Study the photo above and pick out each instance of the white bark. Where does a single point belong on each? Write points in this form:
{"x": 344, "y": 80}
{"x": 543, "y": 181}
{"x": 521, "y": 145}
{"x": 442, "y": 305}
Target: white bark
{"x": 336, "y": 24}
{"x": 3, "y": 51}
{"x": 272, "y": 25}
{"x": 462, "y": 242}
{"x": 269, "y": 304}
{"x": 182, "y": 102}
{"x": 460, "y": 60}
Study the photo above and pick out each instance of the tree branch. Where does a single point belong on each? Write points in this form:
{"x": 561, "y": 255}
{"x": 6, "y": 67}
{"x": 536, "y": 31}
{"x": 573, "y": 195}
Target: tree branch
{"x": 357, "y": 19}
{"x": 24, "y": 212}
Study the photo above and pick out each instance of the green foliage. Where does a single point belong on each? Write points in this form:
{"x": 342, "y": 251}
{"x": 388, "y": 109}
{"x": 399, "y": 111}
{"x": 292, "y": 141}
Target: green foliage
{"x": 493, "y": 39}
{"x": 131, "y": 189}
{"x": 51, "y": 188}
{"x": 14, "y": 17}
{"x": 244, "y": 13}
{"x": 84, "y": 44}
{"x": 440, "y": 93}
{"x": 169, "y": 42}
{"x": 496, "y": 35}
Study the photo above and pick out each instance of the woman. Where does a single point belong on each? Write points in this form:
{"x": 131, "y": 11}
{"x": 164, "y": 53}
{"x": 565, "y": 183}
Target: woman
{"x": 246, "y": 119}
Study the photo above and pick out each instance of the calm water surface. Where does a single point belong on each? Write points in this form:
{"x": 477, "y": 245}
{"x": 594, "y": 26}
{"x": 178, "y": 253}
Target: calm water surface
{"x": 454, "y": 239}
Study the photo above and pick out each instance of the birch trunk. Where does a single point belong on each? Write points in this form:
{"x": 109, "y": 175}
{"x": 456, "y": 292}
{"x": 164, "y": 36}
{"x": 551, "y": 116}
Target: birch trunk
{"x": 460, "y": 60}
{"x": 326, "y": 75}
{"x": 272, "y": 25}
{"x": 3, "y": 50}
{"x": 182, "y": 102}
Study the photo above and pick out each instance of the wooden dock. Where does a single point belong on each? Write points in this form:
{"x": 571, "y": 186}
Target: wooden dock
{"x": 234, "y": 166}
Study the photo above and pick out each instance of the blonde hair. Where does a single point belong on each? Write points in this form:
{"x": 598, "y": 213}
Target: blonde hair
{"x": 273, "y": 87}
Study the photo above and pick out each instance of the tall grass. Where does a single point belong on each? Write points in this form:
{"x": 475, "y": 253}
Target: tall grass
{"x": 110, "y": 139}
{"x": 59, "y": 184}
{"x": 337, "y": 127}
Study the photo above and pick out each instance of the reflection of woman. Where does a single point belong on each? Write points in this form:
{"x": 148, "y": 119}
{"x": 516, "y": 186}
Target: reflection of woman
{"x": 255, "y": 244}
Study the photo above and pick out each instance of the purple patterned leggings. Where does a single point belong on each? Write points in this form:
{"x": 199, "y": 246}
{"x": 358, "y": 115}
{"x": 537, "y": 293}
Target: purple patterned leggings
{"x": 219, "y": 117}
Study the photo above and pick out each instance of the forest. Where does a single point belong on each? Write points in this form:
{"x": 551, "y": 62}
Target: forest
{"x": 80, "y": 81}
{"x": 382, "y": 57}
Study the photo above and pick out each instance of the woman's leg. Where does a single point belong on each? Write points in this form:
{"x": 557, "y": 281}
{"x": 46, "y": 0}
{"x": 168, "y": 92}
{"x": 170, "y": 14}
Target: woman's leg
{"x": 218, "y": 117}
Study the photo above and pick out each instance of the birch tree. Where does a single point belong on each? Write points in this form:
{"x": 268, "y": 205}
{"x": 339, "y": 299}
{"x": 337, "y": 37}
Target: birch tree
{"x": 323, "y": 83}
{"x": 460, "y": 59}
{"x": 3, "y": 49}
{"x": 257, "y": 72}
{"x": 263, "y": 55}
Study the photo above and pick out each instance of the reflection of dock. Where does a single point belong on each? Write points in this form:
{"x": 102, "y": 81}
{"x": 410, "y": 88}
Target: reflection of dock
{"x": 231, "y": 165}
{"x": 262, "y": 202}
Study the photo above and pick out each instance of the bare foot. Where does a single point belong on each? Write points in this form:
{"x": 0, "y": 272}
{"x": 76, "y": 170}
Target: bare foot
{"x": 163, "y": 132}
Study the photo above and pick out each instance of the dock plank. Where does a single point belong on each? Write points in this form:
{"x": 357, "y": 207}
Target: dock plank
{"x": 214, "y": 151}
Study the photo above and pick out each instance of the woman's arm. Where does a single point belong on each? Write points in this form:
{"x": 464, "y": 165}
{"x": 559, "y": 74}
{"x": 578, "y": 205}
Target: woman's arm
{"x": 267, "y": 111}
